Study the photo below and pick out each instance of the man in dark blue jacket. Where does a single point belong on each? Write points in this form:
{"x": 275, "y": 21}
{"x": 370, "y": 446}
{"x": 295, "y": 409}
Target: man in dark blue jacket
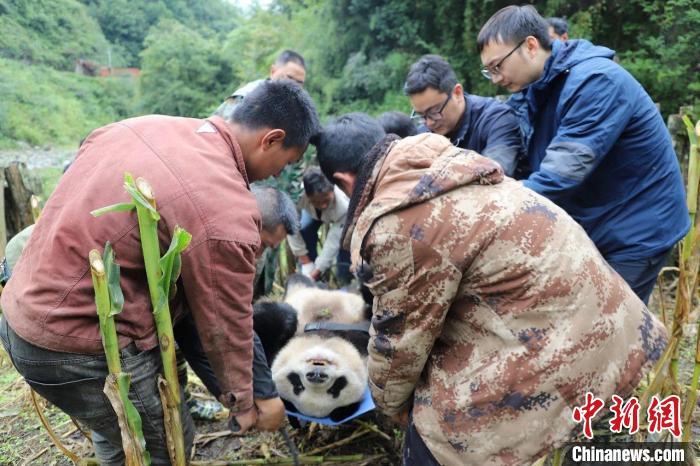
{"x": 596, "y": 143}
{"x": 481, "y": 124}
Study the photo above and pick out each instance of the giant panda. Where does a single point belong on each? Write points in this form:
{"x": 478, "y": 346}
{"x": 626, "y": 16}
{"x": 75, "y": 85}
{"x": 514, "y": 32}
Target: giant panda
{"x": 316, "y": 341}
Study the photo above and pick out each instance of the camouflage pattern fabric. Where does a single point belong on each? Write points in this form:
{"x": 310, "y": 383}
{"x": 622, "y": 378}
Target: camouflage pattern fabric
{"x": 494, "y": 313}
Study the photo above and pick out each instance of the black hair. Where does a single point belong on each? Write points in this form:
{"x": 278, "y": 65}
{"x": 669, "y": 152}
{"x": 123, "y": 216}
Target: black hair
{"x": 315, "y": 182}
{"x": 290, "y": 55}
{"x": 397, "y": 123}
{"x": 283, "y": 104}
{"x": 430, "y": 71}
{"x": 342, "y": 142}
{"x": 514, "y": 24}
{"x": 276, "y": 207}
{"x": 560, "y": 25}
{"x": 366, "y": 169}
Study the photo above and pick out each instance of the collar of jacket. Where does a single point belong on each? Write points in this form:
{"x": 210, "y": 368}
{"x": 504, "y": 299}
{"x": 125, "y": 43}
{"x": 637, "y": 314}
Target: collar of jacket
{"x": 236, "y": 152}
{"x": 463, "y": 124}
{"x": 414, "y": 170}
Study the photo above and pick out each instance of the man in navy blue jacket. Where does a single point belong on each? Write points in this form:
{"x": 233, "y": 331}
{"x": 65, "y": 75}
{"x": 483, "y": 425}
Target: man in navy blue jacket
{"x": 481, "y": 124}
{"x": 596, "y": 143}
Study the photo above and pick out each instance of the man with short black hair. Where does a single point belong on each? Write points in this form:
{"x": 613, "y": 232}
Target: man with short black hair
{"x": 288, "y": 65}
{"x": 482, "y": 124}
{"x": 321, "y": 203}
{"x": 596, "y": 143}
{"x": 494, "y": 314}
{"x": 200, "y": 172}
{"x": 558, "y": 28}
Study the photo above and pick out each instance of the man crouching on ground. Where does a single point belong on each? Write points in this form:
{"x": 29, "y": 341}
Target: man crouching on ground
{"x": 200, "y": 171}
{"x": 494, "y": 314}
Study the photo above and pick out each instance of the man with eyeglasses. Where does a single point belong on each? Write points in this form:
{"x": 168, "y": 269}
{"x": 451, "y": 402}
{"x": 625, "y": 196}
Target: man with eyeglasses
{"x": 481, "y": 124}
{"x": 288, "y": 65}
{"x": 595, "y": 141}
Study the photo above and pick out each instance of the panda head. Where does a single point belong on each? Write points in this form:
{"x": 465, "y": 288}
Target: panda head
{"x": 320, "y": 374}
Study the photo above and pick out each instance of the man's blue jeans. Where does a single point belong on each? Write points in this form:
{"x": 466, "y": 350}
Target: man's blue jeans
{"x": 74, "y": 383}
{"x": 309, "y": 231}
{"x": 641, "y": 275}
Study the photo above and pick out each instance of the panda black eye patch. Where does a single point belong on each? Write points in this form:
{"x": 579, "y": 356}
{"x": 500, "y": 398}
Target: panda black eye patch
{"x": 337, "y": 387}
{"x": 295, "y": 380}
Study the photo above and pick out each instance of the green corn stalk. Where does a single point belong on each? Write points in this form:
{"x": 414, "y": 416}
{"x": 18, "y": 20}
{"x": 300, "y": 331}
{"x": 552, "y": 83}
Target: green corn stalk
{"x": 690, "y": 256}
{"x": 684, "y": 294}
{"x": 110, "y": 301}
{"x": 161, "y": 274}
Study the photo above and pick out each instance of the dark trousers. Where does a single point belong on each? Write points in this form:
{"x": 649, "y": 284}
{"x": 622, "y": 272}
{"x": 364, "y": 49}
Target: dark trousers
{"x": 641, "y": 275}
{"x": 190, "y": 347}
{"x": 415, "y": 453}
{"x": 74, "y": 383}
{"x": 309, "y": 231}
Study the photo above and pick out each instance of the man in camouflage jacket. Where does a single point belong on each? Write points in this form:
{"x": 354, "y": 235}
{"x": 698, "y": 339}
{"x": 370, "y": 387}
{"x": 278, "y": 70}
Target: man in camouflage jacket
{"x": 494, "y": 314}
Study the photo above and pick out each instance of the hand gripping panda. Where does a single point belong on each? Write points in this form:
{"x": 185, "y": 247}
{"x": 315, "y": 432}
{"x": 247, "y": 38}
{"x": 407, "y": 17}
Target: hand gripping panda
{"x": 316, "y": 340}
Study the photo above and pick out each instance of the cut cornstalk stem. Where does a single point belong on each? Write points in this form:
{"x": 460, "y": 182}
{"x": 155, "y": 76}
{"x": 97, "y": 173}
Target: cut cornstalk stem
{"x": 110, "y": 302}
{"x": 144, "y": 200}
{"x": 108, "y": 329}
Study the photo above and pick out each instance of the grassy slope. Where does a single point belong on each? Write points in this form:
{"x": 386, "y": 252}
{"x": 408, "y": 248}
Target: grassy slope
{"x": 42, "y": 106}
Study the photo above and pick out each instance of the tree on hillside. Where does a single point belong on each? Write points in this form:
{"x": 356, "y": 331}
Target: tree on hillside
{"x": 126, "y": 23}
{"x": 54, "y": 33}
{"x": 183, "y": 73}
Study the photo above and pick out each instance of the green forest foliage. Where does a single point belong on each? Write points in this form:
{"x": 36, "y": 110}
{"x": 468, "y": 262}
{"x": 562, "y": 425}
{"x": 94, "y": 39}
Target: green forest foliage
{"x": 193, "y": 53}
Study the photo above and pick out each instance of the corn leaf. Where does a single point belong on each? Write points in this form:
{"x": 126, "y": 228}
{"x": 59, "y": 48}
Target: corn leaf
{"x": 132, "y": 415}
{"x": 170, "y": 262}
{"x": 136, "y": 195}
{"x": 116, "y": 297}
{"x": 121, "y": 207}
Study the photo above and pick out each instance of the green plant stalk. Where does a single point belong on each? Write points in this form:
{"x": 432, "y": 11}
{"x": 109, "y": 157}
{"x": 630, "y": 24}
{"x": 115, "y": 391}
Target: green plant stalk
{"x": 684, "y": 293}
{"x": 110, "y": 301}
{"x": 148, "y": 217}
{"x": 108, "y": 329}
{"x": 691, "y": 256}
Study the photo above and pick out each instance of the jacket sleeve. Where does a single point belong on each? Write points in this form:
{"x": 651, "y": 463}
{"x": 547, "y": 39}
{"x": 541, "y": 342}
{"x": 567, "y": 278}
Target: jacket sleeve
{"x": 504, "y": 142}
{"x": 218, "y": 277}
{"x": 331, "y": 246}
{"x": 297, "y": 244}
{"x": 414, "y": 287}
{"x": 592, "y": 120}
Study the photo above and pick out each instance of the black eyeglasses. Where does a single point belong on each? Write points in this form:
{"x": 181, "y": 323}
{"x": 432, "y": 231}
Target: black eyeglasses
{"x": 490, "y": 71}
{"x": 434, "y": 115}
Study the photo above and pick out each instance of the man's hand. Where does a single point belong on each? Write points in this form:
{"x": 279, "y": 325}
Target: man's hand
{"x": 270, "y": 414}
{"x": 245, "y": 420}
{"x": 315, "y": 275}
{"x": 401, "y": 418}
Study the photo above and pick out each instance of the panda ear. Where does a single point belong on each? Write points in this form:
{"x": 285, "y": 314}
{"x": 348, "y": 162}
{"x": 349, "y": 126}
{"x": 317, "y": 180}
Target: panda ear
{"x": 275, "y": 323}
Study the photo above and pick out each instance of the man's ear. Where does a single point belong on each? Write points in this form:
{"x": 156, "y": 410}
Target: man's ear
{"x": 345, "y": 181}
{"x": 273, "y": 69}
{"x": 458, "y": 90}
{"x": 273, "y": 138}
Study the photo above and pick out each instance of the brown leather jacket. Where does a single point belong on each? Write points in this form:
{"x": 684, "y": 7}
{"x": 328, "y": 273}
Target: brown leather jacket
{"x": 200, "y": 183}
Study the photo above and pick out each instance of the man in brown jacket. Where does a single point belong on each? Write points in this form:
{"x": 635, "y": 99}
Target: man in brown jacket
{"x": 200, "y": 171}
{"x": 494, "y": 314}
